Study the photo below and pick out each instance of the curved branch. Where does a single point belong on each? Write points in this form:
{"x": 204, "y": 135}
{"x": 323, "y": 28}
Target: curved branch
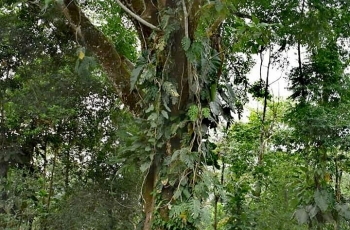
{"x": 117, "y": 66}
{"x": 138, "y": 18}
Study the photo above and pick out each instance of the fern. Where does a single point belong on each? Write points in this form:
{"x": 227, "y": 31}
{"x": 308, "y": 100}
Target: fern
{"x": 193, "y": 112}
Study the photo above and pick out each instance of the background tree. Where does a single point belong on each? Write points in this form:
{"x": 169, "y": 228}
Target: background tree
{"x": 320, "y": 122}
{"x": 58, "y": 126}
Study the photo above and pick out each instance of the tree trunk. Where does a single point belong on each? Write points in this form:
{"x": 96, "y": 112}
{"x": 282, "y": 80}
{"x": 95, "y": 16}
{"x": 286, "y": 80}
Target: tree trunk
{"x": 55, "y": 150}
{"x": 171, "y": 61}
{"x": 3, "y": 169}
{"x": 3, "y": 163}
{"x": 147, "y": 192}
{"x": 3, "y": 176}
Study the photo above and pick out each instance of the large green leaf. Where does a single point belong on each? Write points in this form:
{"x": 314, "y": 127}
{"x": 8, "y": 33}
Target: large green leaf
{"x": 322, "y": 199}
{"x": 312, "y": 210}
{"x": 343, "y": 210}
{"x": 135, "y": 74}
{"x": 186, "y": 43}
{"x": 301, "y": 215}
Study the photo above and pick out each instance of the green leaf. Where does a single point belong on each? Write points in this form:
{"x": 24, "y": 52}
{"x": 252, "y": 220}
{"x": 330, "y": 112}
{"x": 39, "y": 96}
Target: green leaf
{"x": 312, "y": 210}
{"x": 255, "y": 19}
{"x": 175, "y": 154}
{"x": 184, "y": 181}
{"x": 167, "y": 160}
{"x": 152, "y": 140}
{"x": 165, "y": 114}
{"x": 147, "y": 149}
{"x": 152, "y": 117}
{"x": 186, "y": 43}
{"x": 43, "y": 193}
{"x": 187, "y": 158}
{"x": 218, "y": 5}
{"x": 166, "y": 106}
{"x": 196, "y": 208}
{"x": 301, "y": 216}
{"x": 215, "y": 108}
{"x": 135, "y": 74}
{"x": 149, "y": 73}
{"x": 47, "y": 3}
{"x": 186, "y": 193}
{"x": 321, "y": 199}
{"x": 145, "y": 166}
{"x": 177, "y": 194}
{"x": 150, "y": 108}
{"x": 174, "y": 128}
{"x": 343, "y": 210}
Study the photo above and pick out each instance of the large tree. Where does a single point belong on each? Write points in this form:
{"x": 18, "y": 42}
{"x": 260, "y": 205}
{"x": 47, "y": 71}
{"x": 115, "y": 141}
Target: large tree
{"x": 191, "y": 70}
{"x": 178, "y": 70}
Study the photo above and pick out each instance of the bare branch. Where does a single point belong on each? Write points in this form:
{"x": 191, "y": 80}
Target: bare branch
{"x": 138, "y": 18}
{"x": 185, "y": 18}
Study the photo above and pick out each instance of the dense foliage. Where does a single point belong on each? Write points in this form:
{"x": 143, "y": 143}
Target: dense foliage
{"x": 132, "y": 114}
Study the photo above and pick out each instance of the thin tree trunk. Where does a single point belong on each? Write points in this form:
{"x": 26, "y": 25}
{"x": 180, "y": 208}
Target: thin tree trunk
{"x": 3, "y": 164}
{"x": 149, "y": 199}
{"x": 216, "y": 212}
{"x": 52, "y": 177}
{"x": 263, "y": 129}
{"x": 300, "y": 66}
{"x": 67, "y": 166}
{"x": 3, "y": 169}
{"x": 3, "y": 176}
{"x": 338, "y": 176}
{"x": 263, "y": 120}
{"x": 217, "y": 197}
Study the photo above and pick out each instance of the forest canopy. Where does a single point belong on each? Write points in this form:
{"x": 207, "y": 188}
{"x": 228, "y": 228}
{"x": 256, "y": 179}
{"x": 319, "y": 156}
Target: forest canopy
{"x": 135, "y": 114}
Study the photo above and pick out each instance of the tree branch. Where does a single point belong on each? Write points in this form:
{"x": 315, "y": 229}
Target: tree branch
{"x": 117, "y": 67}
{"x": 247, "y": 16}
{"x": 138, "y": 18}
